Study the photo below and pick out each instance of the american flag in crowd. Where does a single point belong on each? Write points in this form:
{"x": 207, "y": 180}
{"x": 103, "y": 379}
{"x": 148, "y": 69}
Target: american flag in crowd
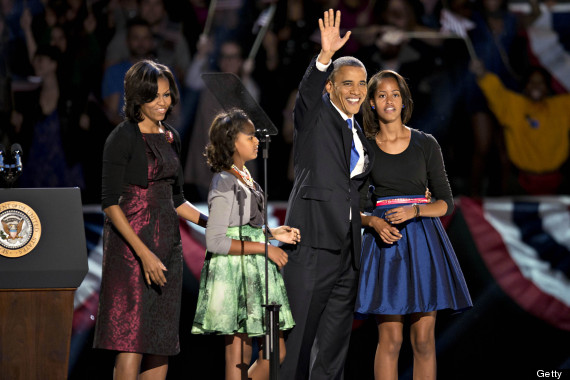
{"x": 453, "y": 23}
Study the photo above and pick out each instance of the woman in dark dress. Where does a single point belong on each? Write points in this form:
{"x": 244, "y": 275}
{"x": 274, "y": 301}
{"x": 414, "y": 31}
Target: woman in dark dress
{"x": 139, "y": 306}
{"x": 408, "y": 266}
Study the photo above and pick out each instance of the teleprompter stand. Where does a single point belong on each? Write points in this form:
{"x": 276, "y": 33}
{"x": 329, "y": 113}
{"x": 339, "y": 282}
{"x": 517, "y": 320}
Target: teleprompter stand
{"x": 230, "y": 93}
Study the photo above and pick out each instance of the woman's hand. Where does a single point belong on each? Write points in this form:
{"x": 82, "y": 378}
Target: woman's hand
{"x": 153, "y": 268}
{"x": 400, "y": 214}
{"x": 277, "y": 255}
{"x": 388, "y": 233}
{"x": 286, "y": 234}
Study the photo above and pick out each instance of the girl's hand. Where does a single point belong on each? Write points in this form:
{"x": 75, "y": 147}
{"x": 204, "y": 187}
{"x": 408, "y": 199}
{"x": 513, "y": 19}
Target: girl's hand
{"x": 286, "y": 234}
{"x": 277, "y": 255}
{"x": 388, "y": 233}
{"x": 400, "y": 214}
{"x": 153, "y": 268}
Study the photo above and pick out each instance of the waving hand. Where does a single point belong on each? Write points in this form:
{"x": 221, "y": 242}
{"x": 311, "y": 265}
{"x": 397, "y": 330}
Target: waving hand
{"x": 331, "y": 41}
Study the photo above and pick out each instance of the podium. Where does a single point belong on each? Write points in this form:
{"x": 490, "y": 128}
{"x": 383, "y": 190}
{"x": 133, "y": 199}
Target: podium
{"x": 43, "y": 259}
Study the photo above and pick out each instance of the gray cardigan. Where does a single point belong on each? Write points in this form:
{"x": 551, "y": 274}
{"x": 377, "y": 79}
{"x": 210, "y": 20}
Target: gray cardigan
{"x": 230, "y": 204}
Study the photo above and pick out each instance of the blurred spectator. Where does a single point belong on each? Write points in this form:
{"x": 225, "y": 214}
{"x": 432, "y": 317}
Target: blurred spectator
{"x": 170, "y": 45}
{"x": 404, "y": 44}
{"x": 5, "y": 86}
{"x": 50, "y": 135}
{"x": 286, "y": 49}
{"x": 16, "y": 56}
{"x": 120, "y": 12}
{"x": 292, "y": 30}
{"x": 537, "y": 130}
{"x": 193, "y": 15}
{"x": 546, "y": 41}
{"x": 385, "y": 35}
{"x": 139, "y": 46}
{"x": 496, "y": 41}
{"x": 197, "y": 175}
{"x": 357, "y": 16}
{"x": 80, "y": 49}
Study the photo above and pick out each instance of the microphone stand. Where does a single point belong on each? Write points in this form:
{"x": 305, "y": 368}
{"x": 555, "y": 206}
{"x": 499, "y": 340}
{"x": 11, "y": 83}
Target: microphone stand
{"x": 231, "y": 93}
{"x": 271, "y": 347}
{"x": 9, "y": 173}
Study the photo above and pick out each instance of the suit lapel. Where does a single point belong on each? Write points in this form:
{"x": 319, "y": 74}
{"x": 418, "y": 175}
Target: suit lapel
{"x": 340, "y": 123}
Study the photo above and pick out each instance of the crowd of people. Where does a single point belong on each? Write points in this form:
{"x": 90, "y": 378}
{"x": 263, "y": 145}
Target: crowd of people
{"x": 63, "y": 63}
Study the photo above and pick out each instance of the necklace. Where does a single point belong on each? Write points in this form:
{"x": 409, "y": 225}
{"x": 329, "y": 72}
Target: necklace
{"x": 244, "y": 174}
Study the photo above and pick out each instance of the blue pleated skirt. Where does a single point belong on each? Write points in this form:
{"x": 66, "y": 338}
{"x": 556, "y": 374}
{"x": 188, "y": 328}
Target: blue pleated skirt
{"x": 418, "y": 273}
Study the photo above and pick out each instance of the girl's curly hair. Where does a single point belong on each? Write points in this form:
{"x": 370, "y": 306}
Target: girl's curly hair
{"x": 223, "y": 133}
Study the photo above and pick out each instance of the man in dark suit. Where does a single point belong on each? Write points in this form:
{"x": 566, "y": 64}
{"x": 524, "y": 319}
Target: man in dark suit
{"x": 332, "y": 159}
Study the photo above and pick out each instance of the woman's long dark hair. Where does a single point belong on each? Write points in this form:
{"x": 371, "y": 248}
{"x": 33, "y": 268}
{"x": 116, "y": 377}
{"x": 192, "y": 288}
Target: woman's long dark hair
{"x": 141, "y": 86}
{"x": 369, "y": 115}
{"x": 223, "y": 133}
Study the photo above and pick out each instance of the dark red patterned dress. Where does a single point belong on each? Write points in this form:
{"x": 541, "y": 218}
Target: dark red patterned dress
{"x": 132, "y": 316}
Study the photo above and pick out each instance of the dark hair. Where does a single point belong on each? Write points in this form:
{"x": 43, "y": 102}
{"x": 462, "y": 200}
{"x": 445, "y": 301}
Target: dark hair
{"x": 345, "y": 61}
{"x": 223, "y": 133}
{"x": 369, "y": 116}
{"x": 540, "y": 70}
{"x": 141, "y": 86}
{"x": 49, "y": 51}
{"x": 136, "y": 21}
{"x": 479, "y": 5}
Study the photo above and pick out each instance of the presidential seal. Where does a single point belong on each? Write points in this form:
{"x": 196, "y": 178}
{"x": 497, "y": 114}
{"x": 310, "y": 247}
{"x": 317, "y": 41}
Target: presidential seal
{"x": 20, "y": 231}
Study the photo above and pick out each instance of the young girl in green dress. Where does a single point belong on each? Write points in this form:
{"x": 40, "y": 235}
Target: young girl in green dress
{"x": 232, "y": 282}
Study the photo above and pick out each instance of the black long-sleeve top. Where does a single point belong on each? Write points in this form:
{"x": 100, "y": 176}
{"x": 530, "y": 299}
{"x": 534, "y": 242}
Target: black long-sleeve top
{"x": 418, "y": 167}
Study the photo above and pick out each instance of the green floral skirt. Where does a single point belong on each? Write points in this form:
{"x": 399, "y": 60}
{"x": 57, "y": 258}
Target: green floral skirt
{"x": 232, "y": 291}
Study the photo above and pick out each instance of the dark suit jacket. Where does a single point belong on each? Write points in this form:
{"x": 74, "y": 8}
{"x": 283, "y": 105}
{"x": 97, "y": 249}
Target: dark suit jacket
{"x": 323, "y": 192}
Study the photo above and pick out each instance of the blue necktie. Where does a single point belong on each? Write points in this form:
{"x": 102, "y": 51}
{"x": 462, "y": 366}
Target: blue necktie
{"x": 353, "y": 152}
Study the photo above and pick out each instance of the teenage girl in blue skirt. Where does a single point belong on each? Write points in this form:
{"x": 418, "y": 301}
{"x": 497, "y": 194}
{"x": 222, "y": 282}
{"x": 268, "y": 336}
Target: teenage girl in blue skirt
{"x": 408, "y": 266}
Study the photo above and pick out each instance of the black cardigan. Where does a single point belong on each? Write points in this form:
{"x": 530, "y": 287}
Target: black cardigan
{"x": 125, "y": 162}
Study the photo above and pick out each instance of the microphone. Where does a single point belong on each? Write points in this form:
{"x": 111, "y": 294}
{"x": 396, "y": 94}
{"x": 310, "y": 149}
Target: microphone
{"x": 2, "y": 151}
{"x": 16, "y": 150}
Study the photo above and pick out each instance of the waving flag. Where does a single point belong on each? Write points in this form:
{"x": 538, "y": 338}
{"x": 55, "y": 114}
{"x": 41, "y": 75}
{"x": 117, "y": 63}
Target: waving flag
{"x": 453, "y": 23}
{"x": 546, "y": 46}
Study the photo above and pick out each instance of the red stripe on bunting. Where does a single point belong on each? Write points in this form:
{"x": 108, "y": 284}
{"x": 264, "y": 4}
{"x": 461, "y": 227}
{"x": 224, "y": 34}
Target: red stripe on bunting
{"x": 84, "y": 315}
{"x": 505, "y": 271}
{"x": 193, "y": 250}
